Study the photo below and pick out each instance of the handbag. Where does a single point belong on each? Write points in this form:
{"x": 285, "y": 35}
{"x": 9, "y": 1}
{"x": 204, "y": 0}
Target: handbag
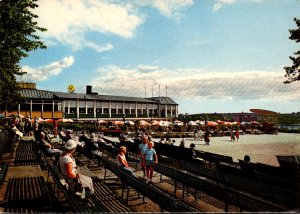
{"x": 75, "y": 185}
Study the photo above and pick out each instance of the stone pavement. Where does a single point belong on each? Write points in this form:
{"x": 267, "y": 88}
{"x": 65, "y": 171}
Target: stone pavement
{"x": 261, "y": 148}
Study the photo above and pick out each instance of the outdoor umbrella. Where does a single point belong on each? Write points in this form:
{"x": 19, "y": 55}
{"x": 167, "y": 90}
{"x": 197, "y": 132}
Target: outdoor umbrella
{"x": 129, "y": 122}
{"x": 200, "y": 122}
{"x": 192, "y": 123}
{"x": 65, "y": 120}
{"x": 117, "y": 123}
{"x": 49, "y": 120}
{"x": 143, "y": 123}
{"x": 102, "y": 121}
{"x": 178, "y": 123}
{"x": 38, "y": 119}
{"x": 211, "y": 123}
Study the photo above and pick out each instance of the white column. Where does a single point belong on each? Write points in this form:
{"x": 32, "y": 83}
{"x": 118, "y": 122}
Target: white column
{"x": 135, "y": 109}
{"x": 109, "y": 109}
{"x": 77, "y": 108}
{"x": 94, "y": 109}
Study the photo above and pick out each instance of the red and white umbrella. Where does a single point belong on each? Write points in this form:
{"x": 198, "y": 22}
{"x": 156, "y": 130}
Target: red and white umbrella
{"x": 192, "y": 123}
{"x": 211, "y": 123}
{"x": 144, "y": 123}
{"x": 65, "y": 120}
{"x": 118, "y": 123}
{"x": 101, "y": 121}
{"x": 200, "y": 122}
{"x": 178, "y": 123}
{"x": 129, "y": 122}
{"x": 226, "y": 123}
{"x": 38, "y": 120}
{"x": 49, "y": 120}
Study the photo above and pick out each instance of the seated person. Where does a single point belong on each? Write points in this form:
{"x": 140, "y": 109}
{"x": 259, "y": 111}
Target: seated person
{"x": 47, "y": 146}
{"x": 83, "y": 137}
{"x": 66, "y": 136}
{"x": 162, "y": 140}
{"x": 69, "y": 169}
{"x": 122, "y": 162}
{"x": 192, "y": 155}
{"x": 247, "y": 167}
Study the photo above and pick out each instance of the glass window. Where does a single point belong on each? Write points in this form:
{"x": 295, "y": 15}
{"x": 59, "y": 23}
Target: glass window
{"x": 82, "y": 110}
{"x": 106, "y": 110}
{"x": 72, "y": 110}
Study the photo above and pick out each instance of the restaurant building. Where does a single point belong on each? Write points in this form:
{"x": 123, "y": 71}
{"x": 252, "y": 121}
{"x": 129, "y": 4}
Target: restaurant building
{"x": 91, "y": 106}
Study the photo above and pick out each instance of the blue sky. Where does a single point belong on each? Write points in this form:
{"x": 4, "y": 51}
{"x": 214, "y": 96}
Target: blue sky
{"x": 207, "y": 55}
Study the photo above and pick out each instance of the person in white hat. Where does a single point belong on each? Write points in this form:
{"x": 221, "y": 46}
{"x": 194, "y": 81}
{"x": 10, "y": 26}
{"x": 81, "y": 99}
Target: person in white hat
{"x": 69, "y": 170}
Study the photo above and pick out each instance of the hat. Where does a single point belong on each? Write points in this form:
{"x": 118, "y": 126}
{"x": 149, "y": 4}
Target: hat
{"x": 69, "y": 131}
{"x": 70, "y": 144}
{"x": 192, "y": 145}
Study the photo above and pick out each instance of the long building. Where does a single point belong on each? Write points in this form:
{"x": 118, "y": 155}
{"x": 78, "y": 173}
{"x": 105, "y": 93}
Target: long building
{"x": 91, "y": 106}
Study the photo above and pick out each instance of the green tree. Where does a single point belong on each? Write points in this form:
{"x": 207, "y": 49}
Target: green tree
{"x": 18, "y": 36}
{"x": 293, "y": 72}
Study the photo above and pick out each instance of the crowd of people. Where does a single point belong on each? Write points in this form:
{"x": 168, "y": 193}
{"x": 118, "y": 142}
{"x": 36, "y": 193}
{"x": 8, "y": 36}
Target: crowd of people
{"x": 68, "y": 144}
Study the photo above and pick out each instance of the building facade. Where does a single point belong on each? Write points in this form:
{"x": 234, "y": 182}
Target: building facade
{"x": 91, "y": 106}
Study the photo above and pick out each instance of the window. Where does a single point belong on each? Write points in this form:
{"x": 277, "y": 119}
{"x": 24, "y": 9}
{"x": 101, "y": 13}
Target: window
{"x": 37, "y": 107}
{"x": 48, "y": 107}
{"x": 82, "y": 110}
{"x": 72, "y": 110}
{"x": 106, "y": 110}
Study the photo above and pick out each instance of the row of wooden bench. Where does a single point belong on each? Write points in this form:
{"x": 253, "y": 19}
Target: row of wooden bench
{"x": 287, "y": 197}
{"x": 158, "y": 196}
{"x": 103, "y": 199}
{"x": 220, "y": 191}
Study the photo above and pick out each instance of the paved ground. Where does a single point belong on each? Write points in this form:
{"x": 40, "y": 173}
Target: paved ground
{"x": 261, "y": 148}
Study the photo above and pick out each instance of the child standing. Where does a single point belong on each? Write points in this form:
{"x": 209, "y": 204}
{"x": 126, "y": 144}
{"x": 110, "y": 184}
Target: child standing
{"x": 149, "y": 153}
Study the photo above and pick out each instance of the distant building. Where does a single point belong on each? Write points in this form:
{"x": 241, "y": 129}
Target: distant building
{"x": 91, "y": 106}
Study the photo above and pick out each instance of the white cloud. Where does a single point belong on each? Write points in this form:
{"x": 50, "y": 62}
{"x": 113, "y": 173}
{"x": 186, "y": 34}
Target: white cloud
{"x": 168, "y": 8}
{"x": 194, "y": 84}
{"x": 220, "y": 3}
{"x": 43, "y": 73}
{"x": 69, "y": 21}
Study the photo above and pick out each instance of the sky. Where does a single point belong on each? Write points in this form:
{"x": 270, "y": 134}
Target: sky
{"x": 209, "y": 56}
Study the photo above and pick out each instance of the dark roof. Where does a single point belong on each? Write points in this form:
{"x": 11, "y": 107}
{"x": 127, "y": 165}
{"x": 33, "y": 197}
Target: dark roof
{"x": 37, "y": 94}
{"x": 64, "y": 95}
{"x": 163, "y": 100}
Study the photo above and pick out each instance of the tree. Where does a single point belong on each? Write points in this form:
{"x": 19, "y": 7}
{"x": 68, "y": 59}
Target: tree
{"x": 18, "y": 28}
{"x": 293, "y": 72}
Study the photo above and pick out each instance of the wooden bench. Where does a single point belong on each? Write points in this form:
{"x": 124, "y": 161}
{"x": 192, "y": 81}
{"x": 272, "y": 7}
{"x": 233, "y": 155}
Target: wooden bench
{"x": 219, "y": 191}
{"x": 283, "y": 196}
{"x": 3, "y": 171}
{"x": 103, "y": 199}
{"x": 25, "y": 154}
{"x": 165, "y": 201}
{"x": 27, "y": 194}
